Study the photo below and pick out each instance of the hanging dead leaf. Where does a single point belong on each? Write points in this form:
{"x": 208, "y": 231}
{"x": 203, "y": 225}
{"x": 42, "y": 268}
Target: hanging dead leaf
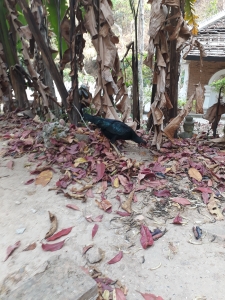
{"x": 54, "y": 225}
{"x": 194, "y": 173}
{"x": 44, "y": 178}
{"x": 213, "y": 208}
{"x": 126, "y": 205}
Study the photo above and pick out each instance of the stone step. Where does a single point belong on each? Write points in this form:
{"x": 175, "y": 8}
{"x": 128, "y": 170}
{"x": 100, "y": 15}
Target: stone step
{"x": 61, "y": 279}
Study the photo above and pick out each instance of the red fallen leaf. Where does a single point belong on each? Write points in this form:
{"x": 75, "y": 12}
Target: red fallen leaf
{"x": 135, "y": 199}
{"x": 72, "y": 206}
{"x": 123, "y": 180}
{"x": 140, "y": 187}
{"x": 158, "y": 168}
{"x": 53, "y": 247}
{"x": 162, "y": 193}
{"x": 89, "y": 193}
{"x": 100, "y": 168}
{"x": 29, "y": 181}
{"x": 10, "y": 164}
{"x": 123, "y": 213}
{"x": 117, "y": 258}
{"x": 156, "y": 183}
{"x": 150, "y": 296}
{"x": 119, "y": 294}
{"x": 89, "y": 219}
{"x": 177, "y": 220}
{"x": 146, "y": 237}
{"x": 205, "y": 198}
{"x": 209, "y": 183}
{"x": 59, "y": 234}
{"x": 94, "y": 230}
{"x": 204, "y": 190}
{"x": 86, "y": 248}
{"x": 180, "y": 200}
{"x": 104, "y": 283}
{"x": 10, "y": 249}
{"x": 98, "y": 218}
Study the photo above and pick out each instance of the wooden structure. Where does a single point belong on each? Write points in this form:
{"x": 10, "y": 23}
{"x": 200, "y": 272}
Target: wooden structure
{"x": 212, "y": 36}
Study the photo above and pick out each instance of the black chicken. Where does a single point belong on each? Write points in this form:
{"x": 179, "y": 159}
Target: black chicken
{"x": 114, "y": 130}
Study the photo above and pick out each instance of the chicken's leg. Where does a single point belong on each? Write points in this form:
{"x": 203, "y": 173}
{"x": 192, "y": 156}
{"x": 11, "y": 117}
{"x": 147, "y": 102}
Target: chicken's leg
{"x": 116, "y": 149}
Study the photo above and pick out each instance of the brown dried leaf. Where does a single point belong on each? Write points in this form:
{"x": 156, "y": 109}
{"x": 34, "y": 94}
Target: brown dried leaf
{"x": 199, "y": 99}
{"x": 30, "y": 247}
{"x": 54, "y": 225}
{"x": 44, "y": 178}
{"x": 126, "y": 205}
{"x": 86, "y": 187}
{"x": 170, "y": 129}
{"x": 194, "y": 173}
{"x": 104, "y": 204}
{"x": 213, "y": 208}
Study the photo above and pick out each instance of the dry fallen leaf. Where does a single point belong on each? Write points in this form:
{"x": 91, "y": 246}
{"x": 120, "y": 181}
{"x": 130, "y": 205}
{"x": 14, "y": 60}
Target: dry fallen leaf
{"x": 79, "y": 160}
{"x": 54, "y": 225}
{"x": 126, "y": 205}
{"x": 59, "y": 234}
{"x": 104, "y": 204}
{"x": 44, "y": 178}
{"x": 116, "y": 183}
{"x": 194, "y": 173}
{"x": 53, "y": 247}
{"x": 10, "y": 249}
{"x": 30, "y": 247}
{"x": 213, "y": 208}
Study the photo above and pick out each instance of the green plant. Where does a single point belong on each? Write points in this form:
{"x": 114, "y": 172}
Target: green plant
{"x": 181, "y": 103}
{"x": 218, "y": 84}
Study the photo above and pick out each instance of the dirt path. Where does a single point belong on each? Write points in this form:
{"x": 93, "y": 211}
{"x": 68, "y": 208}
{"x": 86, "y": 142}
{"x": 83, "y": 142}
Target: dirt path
{"x": 173, "y": 267}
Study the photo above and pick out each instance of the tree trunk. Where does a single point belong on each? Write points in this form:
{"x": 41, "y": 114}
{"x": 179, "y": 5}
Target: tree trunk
{"x": 174, "y": 78}
{"x": 45, "y": 73}
{"x": 141, "y": 50}
{"x": 19, "y": 88}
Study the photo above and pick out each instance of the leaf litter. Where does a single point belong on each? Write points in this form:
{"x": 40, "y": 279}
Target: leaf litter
{"x": 170, "y": 166}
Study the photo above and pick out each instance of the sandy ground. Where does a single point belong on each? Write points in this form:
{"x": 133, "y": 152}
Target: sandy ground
{"x": 173, "y": 267}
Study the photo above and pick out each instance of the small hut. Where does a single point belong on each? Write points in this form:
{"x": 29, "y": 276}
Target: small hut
{"x": 212, "y": 36}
